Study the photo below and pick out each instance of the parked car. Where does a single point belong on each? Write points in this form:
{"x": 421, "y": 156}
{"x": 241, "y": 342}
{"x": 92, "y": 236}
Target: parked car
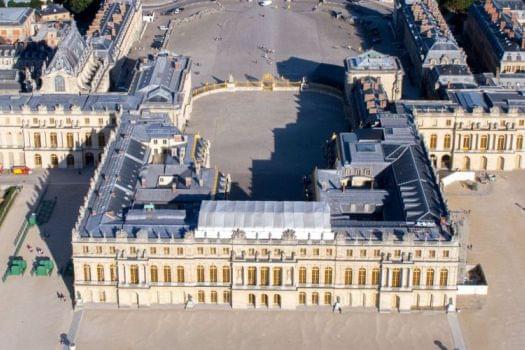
{"x": 21, "y": 170}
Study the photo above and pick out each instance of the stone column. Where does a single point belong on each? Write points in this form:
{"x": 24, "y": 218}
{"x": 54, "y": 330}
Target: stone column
{"x": 404, "y": 277}
{"x": 389, "y": 278}
{"x": 510, "y": 139}
{"x": 244, "y": 276}
{"x": 383, "y": 276}
{"x": 122, "y": 273}
{"x": 409, "y": 278}
{"x": 476, "y": 143}
{"x": 459, "y": 142}
{"x": 142, "y": 273}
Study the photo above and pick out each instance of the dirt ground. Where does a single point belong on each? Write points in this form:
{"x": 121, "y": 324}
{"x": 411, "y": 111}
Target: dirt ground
{"x": 236, "y": 329}
{"x": 496, "y": 233}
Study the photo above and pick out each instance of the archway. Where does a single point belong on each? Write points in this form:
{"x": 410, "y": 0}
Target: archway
{"x": 277, "y": 300}
{"x": 445, "y": 162}
{"x": 70, "y": 161}
{"x": 38, "y": 161}
{"x": 264, "y": 299}
{"x": 518, "y": 162}
{"x": 89, "y": 159}
{"x": 395, "y": 302}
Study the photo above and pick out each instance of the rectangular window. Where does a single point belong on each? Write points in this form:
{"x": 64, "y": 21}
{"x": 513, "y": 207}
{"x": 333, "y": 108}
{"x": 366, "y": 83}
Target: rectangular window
{"x": 132, "y": 250}
{"x": 431, "y": 253}
{"x": 449, "y": 122}
{"x": 85, "y": 249}
{"x": 251, "y": 252}
{"x": 277, "y": 252}
{"x": 302, "y": 251}
{"x": 226, "y": 251}
{"x": 180, "y": 251}
{"x": 377, "y": 253}
{"x": 100, "y": 121}
{"x": 397, "y": 253}
{"x": 98, "y": 249}
{"x": 418, "y": 253}
{"x": 316, "y": 252}
{"x": 362, "y": 254}
{"x": 329, "y": 252}
{"x": 112, "y": 250}
{"x": 68, "y": 121}
{"x": 445, "y": 253}
{"x": 264, "y": 252}
{"x": 153, "y": 250}
{"x": 349, "y": 252}
{"x": 213, "y": 250}
{"x": 166, "y": 250}
{"x": 200, "y": 250}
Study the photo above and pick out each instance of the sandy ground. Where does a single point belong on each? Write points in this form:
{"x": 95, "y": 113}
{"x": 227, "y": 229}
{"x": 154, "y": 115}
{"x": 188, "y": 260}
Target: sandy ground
{"x": 496, "y": 233}
{"x": 32, "y": 315}
{"x": 235, "y": 329}
{"x": 267, "y": 141}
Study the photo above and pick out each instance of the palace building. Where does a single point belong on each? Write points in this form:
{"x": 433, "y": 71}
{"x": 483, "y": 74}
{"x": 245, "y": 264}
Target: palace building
{"x": 157, "y": 228}
{"x": 481, "y": 129}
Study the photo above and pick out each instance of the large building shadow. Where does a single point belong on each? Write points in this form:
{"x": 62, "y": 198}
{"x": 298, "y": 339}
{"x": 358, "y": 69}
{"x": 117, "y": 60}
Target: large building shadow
{"x": 298, "y": 148}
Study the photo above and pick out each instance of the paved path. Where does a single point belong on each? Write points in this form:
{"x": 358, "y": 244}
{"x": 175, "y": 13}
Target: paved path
{"x": 457, "y": 335}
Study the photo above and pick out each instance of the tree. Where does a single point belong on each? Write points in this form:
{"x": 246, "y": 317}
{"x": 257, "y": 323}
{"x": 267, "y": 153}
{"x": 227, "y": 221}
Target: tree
{"x": 78, "y": 6}
{"x": 456, "y": 6}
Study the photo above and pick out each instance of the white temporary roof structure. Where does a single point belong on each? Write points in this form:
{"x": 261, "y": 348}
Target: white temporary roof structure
{"x": 262, "y": 218}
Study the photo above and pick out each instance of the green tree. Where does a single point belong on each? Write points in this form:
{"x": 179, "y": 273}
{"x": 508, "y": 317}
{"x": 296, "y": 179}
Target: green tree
{"x": 78, "y": 6}
{"x": 456, "y": 6}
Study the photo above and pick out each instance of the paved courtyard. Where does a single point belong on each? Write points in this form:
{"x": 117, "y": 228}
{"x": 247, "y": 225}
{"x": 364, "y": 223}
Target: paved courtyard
{"x": 267, "y": 141}
{"x": 235, "y": 329}
{"x": 496, "y": 233}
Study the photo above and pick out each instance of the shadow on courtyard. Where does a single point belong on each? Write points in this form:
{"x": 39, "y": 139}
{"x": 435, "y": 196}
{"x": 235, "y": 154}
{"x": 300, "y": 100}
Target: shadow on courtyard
{"x": 298, "y": 149}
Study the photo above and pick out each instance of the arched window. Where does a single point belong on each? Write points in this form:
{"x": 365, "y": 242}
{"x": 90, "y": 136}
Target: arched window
{"x": 484, "y": 142}
{"x": 430, "y": 277}
{"x": 315, "y": 298}
{"x": 447, "y": 142}
{"x": 501, "y": 163}
{"x": 519, "y": 142}
{"x": 348, "y": 276}
{"x": 302, "y": 298}
{"x": 226, "y": 297}
{"x": 467, "y": 142}
{"x": 375, "y": 276}
{"x": 483, "y": 161}
{"x": 60, "y": 84}
{"x": 53, "y": 140}
{"x": 501, "y": 143}
{"x": 265, "y": 276}
{"x": 264, "y": 299}
{"x": 226, "y": 274}
{"x": 70, "y": 140}
{"x": 180, "y": 274}
{"x": 277, "y": 299}
{"x": 466, "y": 163}
{"x": 315, "y": 275}
{"x": 201, "y": 296}
{"x": 252, "y": 276}
{"x": 302, "y": 275}
{"x": 328, "y": 275}
{"x": 37, "y": 141}
{"x": 433, "y": 141}
{"x": 100, "y": 273}
{"x": 213, "y": 274}
{"x": 362, "y": 277}
{"x": 154, "y": 274}
{"x": 213, "y": 297}
{"x": 396, "y": 278}
{"x": 87, "y": 273}
{"x": 167, "y": 274}
{"x": 38, "y": 161}
{"x": 277, "y": 276}
{"x": 328, "y": 298}
{"x": 134, "y": 274}
{"x": 443, "y": 278}
{"x": 416, "y": 277}
{"x": 200, "y": 274}
{"x": 87, "y": 140}
{"x": 113, "y": 272}
{"x": 251, "y": 299}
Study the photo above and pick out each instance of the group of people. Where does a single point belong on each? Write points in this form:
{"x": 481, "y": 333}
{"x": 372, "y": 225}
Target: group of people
{"x": 39, "y": 251}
